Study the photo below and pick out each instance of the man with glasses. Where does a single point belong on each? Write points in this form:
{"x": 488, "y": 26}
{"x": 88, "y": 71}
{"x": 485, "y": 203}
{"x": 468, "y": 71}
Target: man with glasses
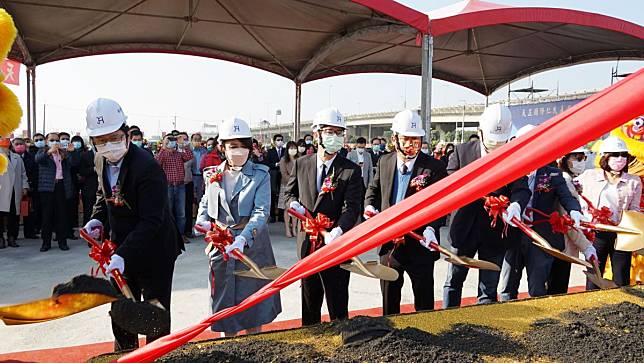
{"x": 133, "y": 197}
{"x": 329, "y": 184}
{"x": 398, "y": 176}
{"x": 273, "y": 157}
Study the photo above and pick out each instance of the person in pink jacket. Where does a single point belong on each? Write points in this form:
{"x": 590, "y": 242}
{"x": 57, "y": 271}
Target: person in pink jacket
{"x": 611, "y": 186}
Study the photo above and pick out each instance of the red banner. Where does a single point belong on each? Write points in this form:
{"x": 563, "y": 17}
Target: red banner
{"x": 598, "y": 114}
{"x": 11, "y": 71}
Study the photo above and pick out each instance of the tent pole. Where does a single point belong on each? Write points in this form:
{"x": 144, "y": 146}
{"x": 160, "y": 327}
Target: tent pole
{"x": 28, "y": 102}
{"x": 426, "y": 90}
{"x": 33, "y": 96}
{"x": 298, "y": 110}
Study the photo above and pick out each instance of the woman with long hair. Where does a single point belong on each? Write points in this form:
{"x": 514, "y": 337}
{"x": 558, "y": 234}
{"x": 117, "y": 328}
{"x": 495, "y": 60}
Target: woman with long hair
{"x": 286, "y": 167}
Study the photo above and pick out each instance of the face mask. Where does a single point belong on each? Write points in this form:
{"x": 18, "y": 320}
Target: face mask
{"x": 52, "y": 143}
{"x": 332, "y": 143}
{"x": 77, "y": 145}
{"x": 172, "y": 144}
{"x": 382, "y": 147}
{"x": 577, "y": 167}
{"x": 360, "y": 150}
{"x": 237, "y": 157}
{"x": 138, "y": 143}
{"x": 64, "y": 143}
{"x": 279, "y": 143}
{"x": 308, "y": 142}
{"x": 210, "y": 148}
{"x": 491, "y": 145}
{"x": 20, "y": 149}
{"x": 425, "y": 150}
{"x": 292, "y": 152}
{"x": 112, "y": 151}
{"x": 40, "y": 144}
{"x": 617, "y": 163}
{"x": 301, "y": 149}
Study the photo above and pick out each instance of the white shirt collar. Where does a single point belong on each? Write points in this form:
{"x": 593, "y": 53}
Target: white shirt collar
{"x": 409, "y": 162}
{"x": 327, "y": 162}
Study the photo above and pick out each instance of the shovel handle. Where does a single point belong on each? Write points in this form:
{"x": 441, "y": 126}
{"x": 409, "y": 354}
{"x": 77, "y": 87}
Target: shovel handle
{"x": 249, "y": 263}
{"x": 432, "y": 244}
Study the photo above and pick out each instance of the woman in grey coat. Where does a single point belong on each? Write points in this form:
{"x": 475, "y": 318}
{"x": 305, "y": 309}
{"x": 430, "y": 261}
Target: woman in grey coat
{"x": 238, "y": 194}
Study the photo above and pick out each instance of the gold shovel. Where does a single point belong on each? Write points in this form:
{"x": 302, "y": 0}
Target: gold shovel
{"x": 38, "y": 311}
{"x": 458, "y": 260}
{"x": 631, "y": 242}
{"x": 254, "y": 271}
{"x": 596, "y": 278}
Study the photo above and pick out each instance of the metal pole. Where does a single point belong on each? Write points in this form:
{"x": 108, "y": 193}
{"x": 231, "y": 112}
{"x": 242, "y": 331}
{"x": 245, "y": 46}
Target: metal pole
{"x": 33, "y": 96}
{"x": 463, "y": 128}
{"x": 426, "y": 90}
{"x": 298, "y": 110}
{"x": 29, "y": 103}
{"x": 44, "y": 116}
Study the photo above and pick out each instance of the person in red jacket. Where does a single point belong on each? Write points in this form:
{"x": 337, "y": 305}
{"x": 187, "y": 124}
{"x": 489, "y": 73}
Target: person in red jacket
{"x": 212, "y": 157}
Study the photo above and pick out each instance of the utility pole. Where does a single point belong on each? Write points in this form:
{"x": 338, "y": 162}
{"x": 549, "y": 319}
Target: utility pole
{"x": 174, "y": 123}
{"x": 44, "y": 117}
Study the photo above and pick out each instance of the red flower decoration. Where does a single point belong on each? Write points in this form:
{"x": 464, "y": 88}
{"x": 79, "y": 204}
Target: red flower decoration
{"x": 214, "y": 175}
{"x": 328, "y": 185}
{"x": 420, "y": 182}
{"x": 117, "y": 199}
{"x": 543, "y": 184}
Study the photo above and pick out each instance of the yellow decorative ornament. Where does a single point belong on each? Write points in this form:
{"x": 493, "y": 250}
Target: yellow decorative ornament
{"x": 10, "y": 111}
{"x": 632, "y": 133}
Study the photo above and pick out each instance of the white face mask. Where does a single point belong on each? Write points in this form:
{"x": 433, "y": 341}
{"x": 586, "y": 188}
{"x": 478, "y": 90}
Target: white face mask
{"x": 301, "y": 149}
{"x": 237, "y": 157}
{"x": 577, "y": 167}
{"x": 425, "y": 150}
{"x": 360, "y": 150}
{"x": 292, "y": 152}
{"x": 332, "y": 143}
{"x": 112, "y": 151}
{"x": 308, "y": 142}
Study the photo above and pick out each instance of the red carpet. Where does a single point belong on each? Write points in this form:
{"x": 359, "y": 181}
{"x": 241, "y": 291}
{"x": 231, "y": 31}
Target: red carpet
{"x": 81, "y": 353}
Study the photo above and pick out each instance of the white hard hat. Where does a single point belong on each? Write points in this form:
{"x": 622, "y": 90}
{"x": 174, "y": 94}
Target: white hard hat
{"x": 579, "y": 150}
{"x": 328, "y": 117}
{"x": 612, "y": 144}
{"x": 524, "y": 130}
{"x": 408, "y": 123}
{"x": 234, "y": 128}
{"x": 496, "y": 123}
{"x": 104, "y": 116}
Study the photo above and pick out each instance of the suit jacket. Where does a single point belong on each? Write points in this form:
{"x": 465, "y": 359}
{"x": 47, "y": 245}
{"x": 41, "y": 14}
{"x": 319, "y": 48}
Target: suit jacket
{"x": 32, "y": 170}
{"x": 379, "y": 196}
{"x": 144, "y": 231}
{"x": 342, "y": 206}
{"x": 470, "y": 225}
{"x": 272, "y": 158}
{"x": 548, "y": 200}
{"x": 47, "y": 173}
{"x": 367, "y": 166}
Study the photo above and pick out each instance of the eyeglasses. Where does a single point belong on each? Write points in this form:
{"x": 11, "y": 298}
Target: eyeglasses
{"x": 623, "y": 154}
{"x": 579, "y": 157}
{"x": 113, "y": 138}
{"x": 331, "y": 132}
{"x": 36, "y": 140}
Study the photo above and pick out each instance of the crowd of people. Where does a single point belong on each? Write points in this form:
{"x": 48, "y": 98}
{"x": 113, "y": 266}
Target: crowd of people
{"x": 149, "y": 198}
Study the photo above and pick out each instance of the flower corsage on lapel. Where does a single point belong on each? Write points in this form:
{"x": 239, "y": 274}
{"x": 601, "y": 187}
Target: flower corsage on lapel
{"x": 118, "y": 199}
{"x": 328, "y": 184}
{"x": 213, "y": 175}
{"x": 420, "y": 182}
{"x": 543, "y": 184}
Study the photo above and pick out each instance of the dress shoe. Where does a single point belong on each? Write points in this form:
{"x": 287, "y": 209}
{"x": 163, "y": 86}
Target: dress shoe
{"x": 63, "y": 246}
{"x": 45, "y": 247}
{"x": 2, "y": 243}
{"x": 11, "y": 241}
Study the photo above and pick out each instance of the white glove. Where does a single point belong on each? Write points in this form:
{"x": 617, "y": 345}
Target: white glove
{"x": 527, "y": 216}
{"x": 513, "y": 211}
{"x": 332, "y": 235}
{"x": 205, "y": 225}
{"x": 429, "y": 236}
{"x": 93, "y": 228}
{"x": 578, "y": 218}
{"x": 590, "y": 253}
{"x": 238, "y": 244}
{"x": 298, "y": 207}
{"x": 116, "y": 263}
{"x": 370, "y": 211}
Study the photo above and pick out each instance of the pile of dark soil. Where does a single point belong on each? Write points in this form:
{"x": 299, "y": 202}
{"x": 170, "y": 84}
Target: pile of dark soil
{"x": 612, "y": 333}
{"x": 85, "y": 284}
{"x": 140, "y": 317}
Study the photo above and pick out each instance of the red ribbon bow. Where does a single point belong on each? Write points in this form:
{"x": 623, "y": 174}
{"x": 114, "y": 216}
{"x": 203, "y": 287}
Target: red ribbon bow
{"x": 560, "y": 223}
{"x": 102, "y": 255}
{"x": 495, "y": 206}
{"x": 602, "y": 215}
{"x": 220, "y": 238}
{"x": 314, "y": 227}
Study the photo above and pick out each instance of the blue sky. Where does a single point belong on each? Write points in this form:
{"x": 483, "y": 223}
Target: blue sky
{"x": 153, "y": 88}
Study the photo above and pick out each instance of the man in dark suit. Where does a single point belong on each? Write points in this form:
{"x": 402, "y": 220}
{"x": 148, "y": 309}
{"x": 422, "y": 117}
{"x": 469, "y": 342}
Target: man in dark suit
{"x": 549, "y": 190}
{"x": 329, "y": 184}
{"x": 132, "y": 196}
{"x": 399, "y": 175}
{"x": 470, "y": 229}
{"x": 273, "y": 157}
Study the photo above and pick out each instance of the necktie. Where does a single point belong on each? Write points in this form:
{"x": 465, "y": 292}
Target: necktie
{"x": 404, "y": 169}
{"x": 323, "y": 175}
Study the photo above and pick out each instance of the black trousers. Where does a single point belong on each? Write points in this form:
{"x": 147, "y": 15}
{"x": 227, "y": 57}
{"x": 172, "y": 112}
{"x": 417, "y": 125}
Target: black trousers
{"x": 149, "y": 286}
{"x": 54, "y": 214}
{"x": 88, "y": 195}
{"x": 332, "y": 283}
{"x": 422, "y": 284}
{"x": 559, "y": 277}
{"x": 9, "y": 220}
{"x": 35, "y": 213}
{"x": 190, "y": 199}
{"x": 72, "y": 210}
{"x": 620, "y": 261}
{"x": 275, "y": 191}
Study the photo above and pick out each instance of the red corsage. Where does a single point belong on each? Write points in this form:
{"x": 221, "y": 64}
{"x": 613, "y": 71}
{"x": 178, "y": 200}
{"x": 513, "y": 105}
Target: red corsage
{"x": 328, "y": 185}
{"x": 117, "y": 198}
{"x": 214, "y": 175}
{"x": 543, "y": 184}
{"x": 420, "y": 182}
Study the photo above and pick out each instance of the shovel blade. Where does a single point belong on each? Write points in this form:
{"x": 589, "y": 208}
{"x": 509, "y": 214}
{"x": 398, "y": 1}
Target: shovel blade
{"x": 374, "y": 269}
{"x": 267, "y": 273}
{"x": 631, "y": 242}
{"x": 473, "y": 263}
{"x": 52, "y": 308}
{"x": 602, "y": 283}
